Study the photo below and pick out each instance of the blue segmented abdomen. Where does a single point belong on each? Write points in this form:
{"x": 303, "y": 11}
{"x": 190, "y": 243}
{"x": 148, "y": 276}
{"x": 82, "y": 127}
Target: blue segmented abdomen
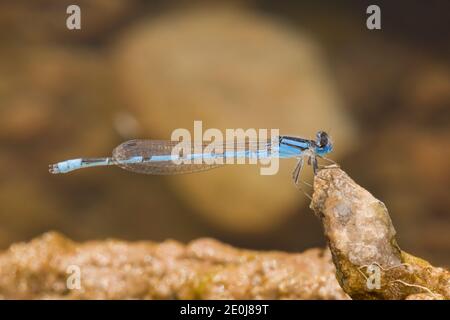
{"x": 69, "y": 165}
{"x": 75, "y": 164}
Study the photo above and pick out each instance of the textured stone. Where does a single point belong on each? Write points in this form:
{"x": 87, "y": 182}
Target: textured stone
{"x": 203, "y": 269}
{"x": 360, "y": 235}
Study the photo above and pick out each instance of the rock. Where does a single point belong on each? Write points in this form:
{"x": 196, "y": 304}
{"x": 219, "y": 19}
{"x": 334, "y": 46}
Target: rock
{"x": 202, "y": 269}
{"x": 230, "y": 68}
{"x": 369, "y": 262}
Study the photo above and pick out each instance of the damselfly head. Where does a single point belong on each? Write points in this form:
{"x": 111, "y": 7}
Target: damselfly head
{"x": 323, "y": 143}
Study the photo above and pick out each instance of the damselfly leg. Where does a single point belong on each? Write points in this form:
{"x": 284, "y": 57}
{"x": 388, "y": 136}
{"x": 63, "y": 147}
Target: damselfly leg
{"x": 297, "y": 169}
{"x": 296, "y": 177}
{"x": 329, "y": 166}
{"x": 327, "y": 159}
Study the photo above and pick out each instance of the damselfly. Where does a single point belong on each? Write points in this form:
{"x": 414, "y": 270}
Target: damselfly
{"x": 158, "y": 157}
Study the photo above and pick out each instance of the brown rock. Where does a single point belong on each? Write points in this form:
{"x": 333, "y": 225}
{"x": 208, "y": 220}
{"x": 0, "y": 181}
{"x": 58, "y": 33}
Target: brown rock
{"x": 362, "y": 241}
{"x": 203, "y": 269}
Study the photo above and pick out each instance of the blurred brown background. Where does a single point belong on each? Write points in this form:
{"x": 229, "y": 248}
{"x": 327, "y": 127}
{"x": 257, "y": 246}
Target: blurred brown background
{"x": 139, "y": 69}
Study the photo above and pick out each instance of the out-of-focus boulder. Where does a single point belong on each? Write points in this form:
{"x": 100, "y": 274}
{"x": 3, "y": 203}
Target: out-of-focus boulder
{"x": 231, "y": 69}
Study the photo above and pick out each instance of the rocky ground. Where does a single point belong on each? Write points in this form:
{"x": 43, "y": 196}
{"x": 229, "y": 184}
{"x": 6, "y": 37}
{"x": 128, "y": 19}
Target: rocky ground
{"x": 357, "y": 226}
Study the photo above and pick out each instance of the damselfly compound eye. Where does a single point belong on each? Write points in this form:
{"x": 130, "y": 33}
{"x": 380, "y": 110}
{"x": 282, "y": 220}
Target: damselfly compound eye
{"x": 322, "y": 139}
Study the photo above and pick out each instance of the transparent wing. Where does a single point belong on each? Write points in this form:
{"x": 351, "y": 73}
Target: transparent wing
{"x": 159, "y": 156}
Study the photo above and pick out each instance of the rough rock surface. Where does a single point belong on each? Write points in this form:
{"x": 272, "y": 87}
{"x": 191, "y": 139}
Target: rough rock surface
{"x": 362, "y": 241}
{"x": 202, "y": 269}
